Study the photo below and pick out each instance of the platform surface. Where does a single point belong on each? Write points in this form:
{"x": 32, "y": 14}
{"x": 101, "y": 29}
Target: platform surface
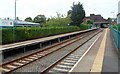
{"x": 18, "y": 44}
{"x": 111, "y": 60}
{"x": 101, "y": 57}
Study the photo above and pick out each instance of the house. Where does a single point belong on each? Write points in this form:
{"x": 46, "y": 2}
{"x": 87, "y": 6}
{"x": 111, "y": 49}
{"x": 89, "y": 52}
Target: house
{"x": 97, "y": 20}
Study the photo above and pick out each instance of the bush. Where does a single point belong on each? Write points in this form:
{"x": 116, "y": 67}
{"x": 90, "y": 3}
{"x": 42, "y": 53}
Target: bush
{"x": 57, "y": 22}
{"x": 83, "y": 26}
{"x": 115, "y": 27}
{"x": 26, "y": 33}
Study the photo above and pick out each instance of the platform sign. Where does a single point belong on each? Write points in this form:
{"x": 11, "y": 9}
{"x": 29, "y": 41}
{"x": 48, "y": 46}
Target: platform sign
{"x": 6, "y": 23}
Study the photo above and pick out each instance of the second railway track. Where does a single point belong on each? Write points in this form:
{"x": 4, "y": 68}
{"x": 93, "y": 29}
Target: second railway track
{"x": 67, "y": 63}
{"x": 18, "y": 63}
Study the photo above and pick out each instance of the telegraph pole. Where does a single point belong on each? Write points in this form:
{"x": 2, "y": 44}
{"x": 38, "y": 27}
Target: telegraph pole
{"x": 15, "y": 9}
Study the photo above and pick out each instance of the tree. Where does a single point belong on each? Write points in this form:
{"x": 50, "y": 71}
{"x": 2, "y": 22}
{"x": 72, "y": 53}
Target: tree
{"x": 69, "y": 12}
{"x": 90, "y": 22}
{"x": 109, "y": 20}
{"x": 60, "y": 20}
{"x": 40, "y": 19}
{"x": 77, "y": 14}
{"x": 28, "y": 19}
{"x": 17, "y": 18}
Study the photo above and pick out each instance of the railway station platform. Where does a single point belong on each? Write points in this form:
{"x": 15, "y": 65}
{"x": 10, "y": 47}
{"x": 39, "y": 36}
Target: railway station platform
{"x": 21, "y": 47}
{"x": 103, "y": 57}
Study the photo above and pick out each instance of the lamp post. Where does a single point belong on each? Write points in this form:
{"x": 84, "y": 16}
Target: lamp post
{"x": 113, "y": 14}
{"x": 15, "y": 9}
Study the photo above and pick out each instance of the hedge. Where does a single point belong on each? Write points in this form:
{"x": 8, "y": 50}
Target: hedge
{"x": 27, "y": 33}
{"x": 83, "y": 26}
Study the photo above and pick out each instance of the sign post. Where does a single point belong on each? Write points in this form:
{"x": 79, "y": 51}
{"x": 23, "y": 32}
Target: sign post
{"x": 7, "y": 23}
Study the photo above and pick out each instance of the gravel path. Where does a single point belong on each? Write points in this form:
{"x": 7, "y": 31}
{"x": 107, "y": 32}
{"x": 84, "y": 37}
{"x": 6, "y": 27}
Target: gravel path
{"x": 41, "y": 64}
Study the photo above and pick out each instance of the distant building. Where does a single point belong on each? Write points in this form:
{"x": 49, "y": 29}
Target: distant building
{"x": 16, "y": 23}
{"x": 97, "y": 19}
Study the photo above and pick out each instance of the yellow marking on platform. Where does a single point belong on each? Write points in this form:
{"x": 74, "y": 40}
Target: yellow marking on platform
{"x": 98, "y": 62}
{"x": 3, "y": 69}
{"x": 108, "y": 29}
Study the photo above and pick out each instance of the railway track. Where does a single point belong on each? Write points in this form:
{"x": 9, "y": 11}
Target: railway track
{"x": 18, "y": 63}
{"x": 66, "y": 63}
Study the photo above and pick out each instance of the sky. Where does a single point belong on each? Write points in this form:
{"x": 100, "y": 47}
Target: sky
{"x": 32, "y": 8}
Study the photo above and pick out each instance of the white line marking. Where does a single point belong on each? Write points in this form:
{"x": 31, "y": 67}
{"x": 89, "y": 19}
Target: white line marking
{"x": 98, "y": 62}
{"x": 84, "y": 54}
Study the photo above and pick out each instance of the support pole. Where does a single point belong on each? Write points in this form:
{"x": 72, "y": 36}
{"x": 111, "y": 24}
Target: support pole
{"x": 58, "y": 39}
{"x": 15, "y": 9}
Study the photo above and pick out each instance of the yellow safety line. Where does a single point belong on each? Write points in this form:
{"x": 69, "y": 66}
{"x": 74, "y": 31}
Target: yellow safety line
{"x": 97, "y": 65}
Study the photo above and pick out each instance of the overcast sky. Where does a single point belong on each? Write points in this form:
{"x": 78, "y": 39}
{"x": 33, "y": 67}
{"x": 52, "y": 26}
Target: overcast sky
{"x": 31, "y": 8}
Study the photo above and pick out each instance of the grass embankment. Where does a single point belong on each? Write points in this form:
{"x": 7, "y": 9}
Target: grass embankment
{"x": 115, "y": 27}
{"x": 27, "y": 33}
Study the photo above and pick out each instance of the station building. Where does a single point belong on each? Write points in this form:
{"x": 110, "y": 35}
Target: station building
{"x": 24, "y": 23}
{"x": 98, "y": 20}
{"x": 16, "y": 23}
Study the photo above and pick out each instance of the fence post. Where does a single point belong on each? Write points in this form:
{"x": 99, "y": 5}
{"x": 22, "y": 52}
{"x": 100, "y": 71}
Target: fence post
{"x": 115, "y": 34}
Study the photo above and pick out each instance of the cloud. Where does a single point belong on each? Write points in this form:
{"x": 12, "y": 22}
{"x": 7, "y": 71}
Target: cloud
{"x": 31, "y": 8}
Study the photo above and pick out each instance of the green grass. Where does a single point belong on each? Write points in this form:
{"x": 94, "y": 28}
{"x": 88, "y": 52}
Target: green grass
{"x": 115, "y": 27}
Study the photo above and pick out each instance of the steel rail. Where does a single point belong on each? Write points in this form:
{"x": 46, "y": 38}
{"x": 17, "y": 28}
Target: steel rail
{"x": 58, "y": 61}
{"x": 44, "y": 54}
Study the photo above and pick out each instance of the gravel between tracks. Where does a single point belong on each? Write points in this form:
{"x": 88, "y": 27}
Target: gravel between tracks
{"x": 15, "y": 56}
{"x": 41, "y": 64}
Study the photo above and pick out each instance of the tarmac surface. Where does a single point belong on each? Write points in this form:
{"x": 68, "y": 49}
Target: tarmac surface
{"x": 110, "y": 61}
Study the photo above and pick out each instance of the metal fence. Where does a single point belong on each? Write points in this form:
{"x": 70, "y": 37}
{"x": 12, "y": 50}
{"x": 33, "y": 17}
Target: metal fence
{"x": 116, "y": 36}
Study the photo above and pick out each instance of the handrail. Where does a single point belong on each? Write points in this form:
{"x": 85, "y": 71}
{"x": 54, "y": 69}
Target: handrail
{"x": 116, "y": 36}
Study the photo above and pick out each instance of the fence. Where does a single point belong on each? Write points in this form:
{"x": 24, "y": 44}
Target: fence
{"x": 116, "y": 36}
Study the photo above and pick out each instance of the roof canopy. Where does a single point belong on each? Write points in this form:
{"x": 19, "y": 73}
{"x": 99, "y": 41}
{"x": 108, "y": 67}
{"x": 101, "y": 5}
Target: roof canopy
{"x": 16, "y": 22}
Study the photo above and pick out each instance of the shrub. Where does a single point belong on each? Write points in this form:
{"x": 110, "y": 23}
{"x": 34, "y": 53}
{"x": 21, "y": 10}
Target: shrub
{"x": 26, "y": 33}
{"x": 115, "y": 27}
{"x": 57, "y": 22}
{"x": 83, "y": 26}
